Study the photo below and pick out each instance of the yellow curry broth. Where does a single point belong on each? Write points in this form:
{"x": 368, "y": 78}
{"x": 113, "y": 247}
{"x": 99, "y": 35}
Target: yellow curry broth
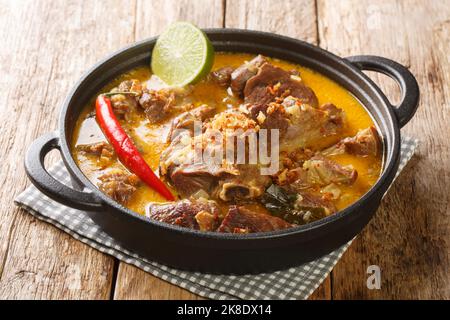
{"x": 151, "y": 139}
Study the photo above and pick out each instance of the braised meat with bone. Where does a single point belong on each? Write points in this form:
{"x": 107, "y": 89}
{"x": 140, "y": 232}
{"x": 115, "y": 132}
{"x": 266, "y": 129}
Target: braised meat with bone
{"x": 199, "y": 214}
{"x": 366, "y": 142}
{"x": 202, "y": 214}
{"x": 242, "y": 220}
{"x": 303, "y": 189}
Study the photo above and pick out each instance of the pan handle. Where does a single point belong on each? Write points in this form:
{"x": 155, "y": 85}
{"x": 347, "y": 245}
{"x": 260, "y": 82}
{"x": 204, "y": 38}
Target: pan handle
{"x": 408, "y": 84}
{"x": 35, "y": 168}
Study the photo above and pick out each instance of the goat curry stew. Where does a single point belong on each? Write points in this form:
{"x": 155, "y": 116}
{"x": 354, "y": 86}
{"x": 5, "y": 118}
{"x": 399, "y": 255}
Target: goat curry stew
{"x": 330, "y": 153}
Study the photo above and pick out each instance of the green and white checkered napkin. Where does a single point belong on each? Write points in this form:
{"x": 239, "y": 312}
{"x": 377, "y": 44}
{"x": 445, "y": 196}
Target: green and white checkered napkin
{"x": 293, "y": 283}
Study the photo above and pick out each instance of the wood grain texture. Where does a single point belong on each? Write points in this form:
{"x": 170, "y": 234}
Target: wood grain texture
{"x": 46, "y": 46}
{"x": 135, "y": 284}
{"x": 409, "y": 237}
{"x": 290, "y": 18}
{"x": 151, "y": 18}
{"x": 323, "y": 292}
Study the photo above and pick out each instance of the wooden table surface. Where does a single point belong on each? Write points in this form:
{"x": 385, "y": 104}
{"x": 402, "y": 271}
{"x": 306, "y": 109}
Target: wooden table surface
{"x": 47, "y": 45}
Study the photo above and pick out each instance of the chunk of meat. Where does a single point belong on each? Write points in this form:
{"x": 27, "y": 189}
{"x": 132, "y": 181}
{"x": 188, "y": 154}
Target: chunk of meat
{"x": 271, "y": 82}
{"x": 366, "y": 142}
{"x": 270, "y": 116}
{"x": 185, "y": 172}
{"x": 236, "y": 181}
{"x": 178, "y": 163}
{"x": 322, "y": 171}
{"x": 222, "y": 76}
{"x": 248, "y": 184}
{"x": 309, "y": 125}
{"x": 132, "y": 85}
{"x": 334, "y": 115}
{"x": 206, "y": 221}
{"x": 296, "y": 158}
{"x": 190, "y": 178}
{"x": 203, "y": 112}
{"x": 243, "y": 220}
{"x": 316, "y": 205}
{"x": 227, "y": 181}
{"x": 316, "y": 171}
{"x": 97, "y": 149}
{"x": 118, "y": 185}
{"x": 240, "y": 76}
{"x": 290, "y": 163}
{"x": 185, "y": 121}
{"x": 331, "y": 192}
{"x": 157, "y": 104}
{"x": 300, "y": 124}
{"x": 179, "y": 152}
{"x": 199, "y": 214}
{"x": 103, "y": 151}
{"x": 124, "y": 104}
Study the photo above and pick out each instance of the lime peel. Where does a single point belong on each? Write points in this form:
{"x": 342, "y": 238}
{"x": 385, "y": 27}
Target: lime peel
{"x": 182, "y": 55}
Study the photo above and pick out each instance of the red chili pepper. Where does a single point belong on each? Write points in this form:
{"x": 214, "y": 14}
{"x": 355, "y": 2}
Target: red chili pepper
{"x": 125, "y": 149}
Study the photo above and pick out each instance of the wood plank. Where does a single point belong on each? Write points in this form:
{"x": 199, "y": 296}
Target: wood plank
{"x": 46, "y": 46}
{"x": 203, "y": 13}
{"x": 291, "y": 18}
{"x": 408, "y": 238}
{"x": 45, "y": 263}
{"x": 323, "y": 292}
{"x": 133, "y": 283}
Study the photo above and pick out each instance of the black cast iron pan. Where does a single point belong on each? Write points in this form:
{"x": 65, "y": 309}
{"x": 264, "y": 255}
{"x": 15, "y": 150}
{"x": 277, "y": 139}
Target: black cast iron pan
{"x": 229, "y": 253}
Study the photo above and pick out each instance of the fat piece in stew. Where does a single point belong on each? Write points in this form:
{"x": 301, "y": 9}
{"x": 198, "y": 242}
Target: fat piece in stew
{"x": 329, "y": 152}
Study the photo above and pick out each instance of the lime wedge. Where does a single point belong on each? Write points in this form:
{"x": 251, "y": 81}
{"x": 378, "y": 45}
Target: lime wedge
{"x": 182, "y": 54}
